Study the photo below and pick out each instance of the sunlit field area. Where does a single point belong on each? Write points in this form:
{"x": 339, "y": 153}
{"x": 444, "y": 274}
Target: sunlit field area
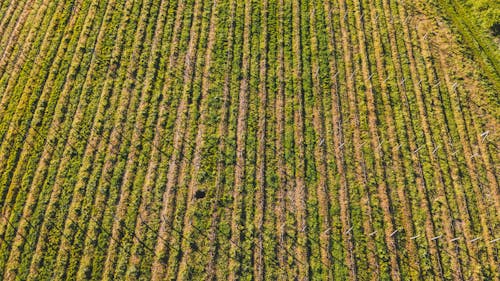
{"x": 249, "y": 140}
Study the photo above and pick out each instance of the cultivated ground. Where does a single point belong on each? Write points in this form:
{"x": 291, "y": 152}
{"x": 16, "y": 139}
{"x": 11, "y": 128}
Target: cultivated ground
{"x": 248, "y": 140}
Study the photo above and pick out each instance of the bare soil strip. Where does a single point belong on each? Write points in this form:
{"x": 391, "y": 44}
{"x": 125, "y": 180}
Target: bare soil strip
{"x": 260, "y": 206}
{"x": 281, "y": 206}
{"x": 300, "y": 187}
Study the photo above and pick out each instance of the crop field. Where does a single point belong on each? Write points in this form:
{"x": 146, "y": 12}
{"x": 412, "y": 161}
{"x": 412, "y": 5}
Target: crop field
{"x": 248, "y": 140}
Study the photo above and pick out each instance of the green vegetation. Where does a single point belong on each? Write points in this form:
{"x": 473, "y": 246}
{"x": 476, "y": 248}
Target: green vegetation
{"x": 486, "y": 13}
{"x": 249, "y": 140}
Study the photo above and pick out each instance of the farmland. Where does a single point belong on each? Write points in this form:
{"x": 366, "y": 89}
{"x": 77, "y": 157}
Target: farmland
{"x": 248, "y": 140}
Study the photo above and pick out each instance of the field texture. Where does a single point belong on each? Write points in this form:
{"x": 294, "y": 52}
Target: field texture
{"x": 248, "y": 140}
